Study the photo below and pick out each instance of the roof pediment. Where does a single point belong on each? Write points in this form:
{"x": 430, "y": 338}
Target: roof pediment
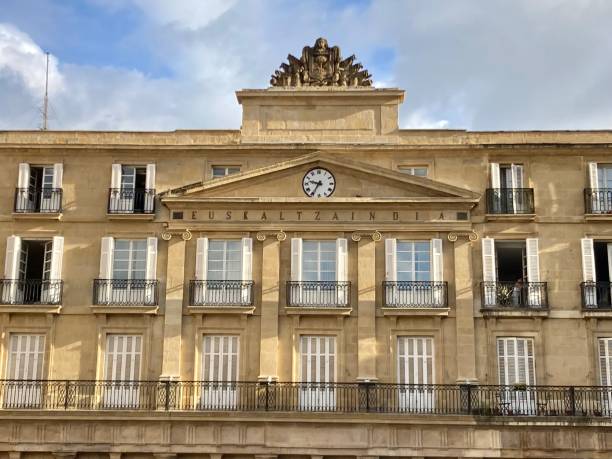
{"x": 355, "y": 182}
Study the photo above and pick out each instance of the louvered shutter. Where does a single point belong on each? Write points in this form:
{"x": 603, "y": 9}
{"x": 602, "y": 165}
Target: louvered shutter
{"x": 593, "y": 176}
{"x": 115, "y": 201}
{"x": 516, "y": 361}
{"x": 495, "y": 176}
{"x": 296, "y": 259}
{"x": 605, "y": 361}
{"x": 58, "y": 174}
{"x": 437, "y": 268}
{"x": 116, "y": 176}
{"x": 56, "y": 257}
{"x": 342, "y": 270}
{"x": 201, "y": 271}
{"x": 517, "y": 175}
{"x": 105, "y": 289}
{"x": 219, "y": 371}
{"x": 588, "y": 273}
{"x": 149, "y": 198}
{"x": 23, "y": 180}
{"x": 391, "y": 260}
{"x": 534, "y": 292}
{"x": 247, "y": 269}
{"x": 151, "y": 273}
{"x": 11, "y": 269}
{"x": 489, "y": 271}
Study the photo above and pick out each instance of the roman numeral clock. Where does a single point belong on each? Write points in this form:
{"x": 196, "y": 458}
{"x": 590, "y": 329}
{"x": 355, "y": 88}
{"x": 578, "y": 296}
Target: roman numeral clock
{"x": 319, "y": 183}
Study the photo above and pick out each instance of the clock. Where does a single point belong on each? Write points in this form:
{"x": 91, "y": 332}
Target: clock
{"x": 319, "y": 183}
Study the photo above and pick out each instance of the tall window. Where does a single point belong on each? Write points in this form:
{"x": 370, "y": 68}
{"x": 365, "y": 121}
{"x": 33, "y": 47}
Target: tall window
{"x": 420, "y": 171}
{"x": 123, "y": 371}
{"x": 604, "y": 176}
{"x": 415, "y": 360}
{"x": 224, "y": 260}
{"x": 132, "y": 189}
{"x": 319, "y": 261}
{"x": 130, "y": 259}
{"x": 222, "y": 171}
{"x": 516, "y": 362}
{"x": 413, "y": 261}
{"x": 25, "y": 363}
{"x": 605, "y": 361}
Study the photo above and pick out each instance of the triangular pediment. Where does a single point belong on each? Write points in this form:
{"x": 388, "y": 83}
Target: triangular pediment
{"x": 355, "y": 180}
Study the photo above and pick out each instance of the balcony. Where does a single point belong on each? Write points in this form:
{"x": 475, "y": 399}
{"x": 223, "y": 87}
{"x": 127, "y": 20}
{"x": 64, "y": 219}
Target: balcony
{"x": 318, "y": 294}
{"x": 129, "y": 201}
{"x": 31, "y": 292}
{"x": 38, "y": 200}
{"x": 220, "y": 293}
{"x": 125, "y": 292}
{"x": 295, "y": 397}
{"x": 514, "y": 295}
{"x": 596, "y": 296}
{"x": 598, "y": 200}
{"x": 415, "y": 294}
{"x": 510, "y": 201}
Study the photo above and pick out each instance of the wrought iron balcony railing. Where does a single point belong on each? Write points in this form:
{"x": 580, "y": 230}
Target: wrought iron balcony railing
{"x": 38, "y": 200}
{"x": 220, "y": 293}
{"x": 415, "y": 294}
{"x": 598, "y": 200}
{"x": 596, "y": 295}
{"x": 125, "y": 292}
{"x": 325, "y": 294}
{"x": 31, "y": 291}
{"x": 521, "y": 295}
{"x": 131, "y": 201}
{"x": 408, "y": 399}
{"x": 510, "y": 201}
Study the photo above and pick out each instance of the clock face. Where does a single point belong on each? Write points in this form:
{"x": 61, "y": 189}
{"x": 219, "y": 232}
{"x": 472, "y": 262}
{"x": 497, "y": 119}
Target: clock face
{"x": 319, "y": 183}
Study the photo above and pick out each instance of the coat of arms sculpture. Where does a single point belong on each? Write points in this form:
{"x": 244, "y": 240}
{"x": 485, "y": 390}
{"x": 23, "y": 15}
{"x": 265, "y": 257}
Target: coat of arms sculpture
{"x": 321, "y": 65}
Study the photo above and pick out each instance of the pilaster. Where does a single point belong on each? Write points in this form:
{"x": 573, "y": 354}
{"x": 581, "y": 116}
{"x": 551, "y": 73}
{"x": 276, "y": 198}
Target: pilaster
{"x": 366, "y": 306}
{"x": 270, "y": 296}
{"x": 173, "y": 314}
{"x": 464, "y": 307}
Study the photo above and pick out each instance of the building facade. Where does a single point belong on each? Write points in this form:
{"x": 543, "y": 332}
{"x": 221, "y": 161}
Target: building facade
{"x": 319, "y": 283}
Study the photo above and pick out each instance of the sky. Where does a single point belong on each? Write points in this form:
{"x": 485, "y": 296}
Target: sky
{"x": 152, "y": 65}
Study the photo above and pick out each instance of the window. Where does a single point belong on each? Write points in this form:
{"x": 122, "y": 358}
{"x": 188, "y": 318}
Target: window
{"x": 413, "y": 261}
{"x": 516, "y": 368}
{"x": 511, "y": 273}
{"x": 318, "y": 370}
{"x": 32, "y": 271}
{"x": 122, "y": 365}
{"x": 132, "y": 189}
{"x": 597, "y": 273}
{"x": 39, "y": 188}
{"x": 319, "y": 261}
{"x": 506, "y": 176}
{"x": 219, "y": 366}
{"x": 224, "y": 260}
{"x": 604, "y": 176}
{"x": 130, "y": 259}
{"x": 420, "y": 171}
{"x": 222, "y": 171}
{"x": 415, "y": 362}
{"x": 605, "y": 361}
{"x": 25, "y": 363}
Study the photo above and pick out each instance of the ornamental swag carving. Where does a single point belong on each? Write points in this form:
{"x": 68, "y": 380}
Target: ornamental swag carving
{"x": 321, "y": 65}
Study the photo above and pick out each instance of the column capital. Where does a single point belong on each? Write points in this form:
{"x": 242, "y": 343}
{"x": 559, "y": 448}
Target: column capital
{"x": 262, "y": 235}
{"x": 472, "y": 236}
{"x": 375, "y": 235}
{"x": 186, "y": 235}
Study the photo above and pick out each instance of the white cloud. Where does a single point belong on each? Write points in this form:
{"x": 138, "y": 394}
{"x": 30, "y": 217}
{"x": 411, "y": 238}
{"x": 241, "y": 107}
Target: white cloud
{"x": 421, "y": 120}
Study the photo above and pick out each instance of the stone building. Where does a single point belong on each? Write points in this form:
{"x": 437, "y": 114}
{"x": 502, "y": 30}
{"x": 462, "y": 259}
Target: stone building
{"x": 319, "y": 283}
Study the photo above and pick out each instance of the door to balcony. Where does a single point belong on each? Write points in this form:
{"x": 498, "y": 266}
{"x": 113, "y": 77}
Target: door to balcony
{"x": 415, "y": 372}
{"x": 317, "y": 373}
{"x": 219, "y": 372}
{"x": 122, "y": 371}
{"x": 24, "y": 371}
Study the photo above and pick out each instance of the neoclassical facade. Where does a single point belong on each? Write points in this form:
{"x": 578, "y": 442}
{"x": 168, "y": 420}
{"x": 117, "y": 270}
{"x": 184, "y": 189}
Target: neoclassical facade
{"x": 317, "y": 284}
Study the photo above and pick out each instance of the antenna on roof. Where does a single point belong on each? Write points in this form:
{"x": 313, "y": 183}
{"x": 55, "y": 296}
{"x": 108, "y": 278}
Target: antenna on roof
{"x": 46, "y": 100}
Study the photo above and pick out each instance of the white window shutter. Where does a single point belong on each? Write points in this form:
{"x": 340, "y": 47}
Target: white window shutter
{"x": 533, "y": 262}
{"x": 605, "y": 361}
{"x": 58, "y": 175}
{"x": 150, "y": 177}
{"x": 116, "y": 176}
{"x": 489, "y": 272}
{"x": 437, "y": 260}
{"x": 247, "y": 259}
{"x": 106, "y": 258}
{"x": 495, "y": 177}
{"x": 23, "y": 181}
{"x": 56, "y": 257}
{"x": 593, "y": 176}
{"x": 517, "y": 176}
{"x": 391, "y": 259}
{"x": 201, "y": 258}
{"x": 341, "y": 260}
{"x": 151, "y": 258}
{"x": 296, "y": 259}
{"x": 588, "y": 260}
{"x": 11, "y": 261}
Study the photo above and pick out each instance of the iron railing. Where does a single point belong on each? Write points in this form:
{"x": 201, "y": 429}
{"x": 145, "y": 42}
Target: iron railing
{"x": 598, "y": 200}
{"x": 131, "y": 201}
{"x": 31, "y": 291}
{"x": 125, "y": 292}
{"x": 327, "y": 294}
{"x": 510, "y": 201}
{"x": 596, "y": 295}
{"x": 38, "y": 200}
{"x": 502, "y": 294}
{"x": 415, "y": 294}
{"x": 411, "y": 399}
{"x": 220, "y": 293}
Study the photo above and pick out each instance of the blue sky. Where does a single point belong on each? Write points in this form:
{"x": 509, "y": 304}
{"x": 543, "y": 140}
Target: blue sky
{"x": 164, "y": 65}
